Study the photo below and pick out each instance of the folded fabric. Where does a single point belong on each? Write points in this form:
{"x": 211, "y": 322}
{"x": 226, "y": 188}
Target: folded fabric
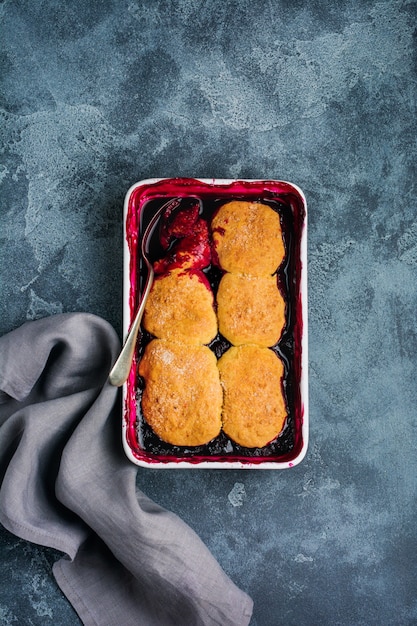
{"x": 66, "y": 484}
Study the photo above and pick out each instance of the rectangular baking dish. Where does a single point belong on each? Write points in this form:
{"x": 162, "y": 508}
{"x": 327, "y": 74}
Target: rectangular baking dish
{"x": 141, "y": 201}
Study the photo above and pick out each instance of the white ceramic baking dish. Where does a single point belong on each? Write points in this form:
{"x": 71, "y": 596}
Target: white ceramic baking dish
{"x": 142, "y": 447}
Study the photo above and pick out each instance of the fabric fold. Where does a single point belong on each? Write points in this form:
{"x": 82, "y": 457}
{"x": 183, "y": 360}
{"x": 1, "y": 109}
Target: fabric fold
{"x": 66, "y": 484}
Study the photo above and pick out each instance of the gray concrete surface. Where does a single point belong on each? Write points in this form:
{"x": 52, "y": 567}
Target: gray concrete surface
{"x": 98, "y": 95}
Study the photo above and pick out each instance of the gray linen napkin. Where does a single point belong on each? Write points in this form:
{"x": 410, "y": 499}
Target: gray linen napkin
{"x": 66, "y": 484}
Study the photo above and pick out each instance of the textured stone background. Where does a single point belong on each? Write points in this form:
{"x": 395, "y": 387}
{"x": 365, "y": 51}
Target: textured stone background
{"x": 98, "y": 95}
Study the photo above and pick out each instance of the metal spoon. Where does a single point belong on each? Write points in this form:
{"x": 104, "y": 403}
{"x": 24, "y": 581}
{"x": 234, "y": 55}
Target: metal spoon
{"x": 120, "y": 370}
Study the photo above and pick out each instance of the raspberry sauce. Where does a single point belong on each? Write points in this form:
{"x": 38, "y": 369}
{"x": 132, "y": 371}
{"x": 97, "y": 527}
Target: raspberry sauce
{"x": 184, "y": 238}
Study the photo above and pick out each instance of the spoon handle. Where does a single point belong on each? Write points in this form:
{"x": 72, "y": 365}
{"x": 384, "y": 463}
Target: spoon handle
{"x": 120, "y": 370}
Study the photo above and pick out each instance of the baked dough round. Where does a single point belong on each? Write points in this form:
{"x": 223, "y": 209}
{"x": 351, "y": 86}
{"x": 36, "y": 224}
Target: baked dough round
{"x": 180, "y": 308}
{"x": 182, "y": 399}
{"x": 247, "y": 238}
{"x": 250, "y": 309}
{"x": 254, "y": 408}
